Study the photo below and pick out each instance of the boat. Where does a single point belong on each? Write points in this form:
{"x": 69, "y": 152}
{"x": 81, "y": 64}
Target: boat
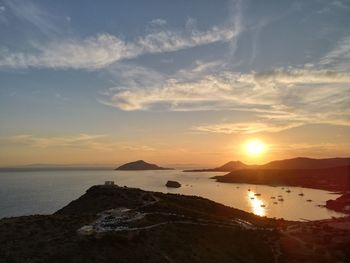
{"x": 301, "y": 192}
{"x": 275, "y": 203}
{"x": 288, "y": 191}
{"x": 262, "y": 205}
{"x": 281, "y": 199}
{"x": 252, "y": 198}
{"x": 256, "y": 191}
{"x": 248, "y": 189}
{"x": 309, "y": 200}
{"x": 272, "y": 197}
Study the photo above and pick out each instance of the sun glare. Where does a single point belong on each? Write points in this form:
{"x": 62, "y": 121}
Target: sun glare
{"x": 255, "y": 147}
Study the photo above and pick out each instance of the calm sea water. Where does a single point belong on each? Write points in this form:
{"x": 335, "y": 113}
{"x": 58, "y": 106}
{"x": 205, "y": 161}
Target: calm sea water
{"x": 44, "y": 192}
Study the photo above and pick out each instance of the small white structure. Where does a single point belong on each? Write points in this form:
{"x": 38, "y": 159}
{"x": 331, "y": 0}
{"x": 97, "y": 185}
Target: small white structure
{"x": 109, "y": 182}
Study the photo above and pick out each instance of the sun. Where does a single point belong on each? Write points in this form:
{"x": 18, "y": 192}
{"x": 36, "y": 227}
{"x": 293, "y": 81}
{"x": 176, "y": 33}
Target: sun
{"x": 255, "y": 147}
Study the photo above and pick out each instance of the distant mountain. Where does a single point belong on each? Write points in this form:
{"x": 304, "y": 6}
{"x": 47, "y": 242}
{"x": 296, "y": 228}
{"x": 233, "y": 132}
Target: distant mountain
{"x": 139, "y": 166}
{"x": 227, "y": 167}
{"x": 290, "y": 164}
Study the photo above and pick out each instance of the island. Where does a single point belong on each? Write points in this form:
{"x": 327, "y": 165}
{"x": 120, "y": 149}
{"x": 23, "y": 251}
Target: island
{"x": 140, "y": 165}
{"x": 110, "y": 222}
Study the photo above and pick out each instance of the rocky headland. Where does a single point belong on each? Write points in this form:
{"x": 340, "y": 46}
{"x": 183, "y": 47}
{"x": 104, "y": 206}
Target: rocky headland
{"x": 119, "y": 224}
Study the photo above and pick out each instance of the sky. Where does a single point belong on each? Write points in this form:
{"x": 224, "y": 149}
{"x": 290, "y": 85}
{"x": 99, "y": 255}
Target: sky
{"x": 173, "y": 82}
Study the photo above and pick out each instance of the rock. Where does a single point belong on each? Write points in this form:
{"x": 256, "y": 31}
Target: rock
{"x": 173, "y": 184}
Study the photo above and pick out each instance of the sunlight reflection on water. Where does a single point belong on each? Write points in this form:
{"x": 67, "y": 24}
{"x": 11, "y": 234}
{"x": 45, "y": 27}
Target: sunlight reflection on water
{"x": 256, "y": 203}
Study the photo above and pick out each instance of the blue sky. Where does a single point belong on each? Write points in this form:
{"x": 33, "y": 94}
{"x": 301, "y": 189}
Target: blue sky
{"x": 172, "y": 81}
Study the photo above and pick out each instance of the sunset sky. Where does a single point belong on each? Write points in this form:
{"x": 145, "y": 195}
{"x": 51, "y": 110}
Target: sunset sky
{"x": 173, "y": 82}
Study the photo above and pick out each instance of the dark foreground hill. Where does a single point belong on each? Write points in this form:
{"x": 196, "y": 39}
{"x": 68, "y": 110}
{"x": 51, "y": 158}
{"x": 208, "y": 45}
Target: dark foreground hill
{"x": 287, "y": 164}
{"x": 115, "y": 224}
{"x": 140, "y": 165}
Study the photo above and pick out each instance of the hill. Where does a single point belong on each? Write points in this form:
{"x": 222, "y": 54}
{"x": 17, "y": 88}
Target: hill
{"x": 140, "y": 165}
{"x": 294, "y": 163}
{"x": 120, "y": 224}
{"x": 131, "y": 225}
{"x": 227, "y": 167}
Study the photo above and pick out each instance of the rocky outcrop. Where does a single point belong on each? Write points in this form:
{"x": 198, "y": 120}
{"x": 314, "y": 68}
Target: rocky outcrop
{"x": 173, "y": 184}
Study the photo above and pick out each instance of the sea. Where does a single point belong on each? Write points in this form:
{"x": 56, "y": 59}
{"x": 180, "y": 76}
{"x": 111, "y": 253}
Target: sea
{"x": 29, "y": 192}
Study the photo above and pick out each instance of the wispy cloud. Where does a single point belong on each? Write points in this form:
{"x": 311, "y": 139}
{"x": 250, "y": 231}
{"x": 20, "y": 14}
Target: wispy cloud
{"x": 104, "y": 49}
{"x": 281, "y": 99}
{"x": 270, "y": 88}
{"x": 339, "y": 57}
{"x": 33, "y": 14}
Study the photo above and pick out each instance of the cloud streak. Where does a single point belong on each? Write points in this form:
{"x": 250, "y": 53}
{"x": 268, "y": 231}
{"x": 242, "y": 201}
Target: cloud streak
{"x": 246, "y": 127}
{"x": 80, "y": 140}
{"x": 95, "y": 142}
{"x": 34, "y": 15}
{"x": 105, "y": 49}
